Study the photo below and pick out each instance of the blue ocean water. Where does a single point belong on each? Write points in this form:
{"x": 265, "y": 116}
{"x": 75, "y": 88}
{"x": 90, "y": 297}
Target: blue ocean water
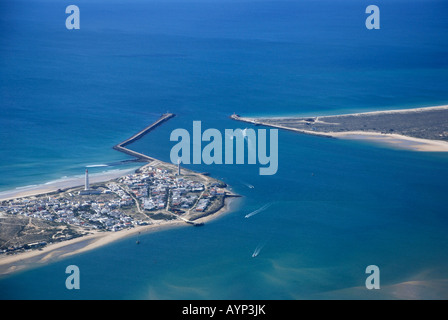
{"x": 333, "y": 208}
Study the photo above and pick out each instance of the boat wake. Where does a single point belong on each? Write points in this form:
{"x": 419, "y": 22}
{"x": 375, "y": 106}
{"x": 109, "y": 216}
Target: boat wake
{"x": 250, "y": 186}
{"x": 258, "y": 210}
{"x": 257, "y": 250}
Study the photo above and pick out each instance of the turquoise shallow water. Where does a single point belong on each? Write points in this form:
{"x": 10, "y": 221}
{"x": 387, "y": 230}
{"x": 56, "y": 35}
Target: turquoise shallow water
{"x": 333, "y": 208}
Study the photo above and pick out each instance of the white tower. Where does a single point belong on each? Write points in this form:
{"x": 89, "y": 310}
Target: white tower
{"x": 178, "y": 166}
{"x": 86, "y": 187}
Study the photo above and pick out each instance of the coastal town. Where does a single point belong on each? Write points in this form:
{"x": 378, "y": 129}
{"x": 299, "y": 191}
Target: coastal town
{"x": 156, "y": 193}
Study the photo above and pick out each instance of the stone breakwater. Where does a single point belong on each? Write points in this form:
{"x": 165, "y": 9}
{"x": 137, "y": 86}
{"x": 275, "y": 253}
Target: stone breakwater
{"x": 142, "y": 157}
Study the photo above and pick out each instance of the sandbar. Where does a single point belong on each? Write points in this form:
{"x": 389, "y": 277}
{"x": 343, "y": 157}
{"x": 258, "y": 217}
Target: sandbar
{"x": 418, "y": 129}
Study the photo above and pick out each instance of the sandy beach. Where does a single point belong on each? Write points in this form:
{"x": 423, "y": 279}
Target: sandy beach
{"x": 57, "y": 251}
{"x": 395, "y": 140}
{"x": 422, "y": 109}
{"x": 67, "y": 183}
{"x": 327, "y": 126}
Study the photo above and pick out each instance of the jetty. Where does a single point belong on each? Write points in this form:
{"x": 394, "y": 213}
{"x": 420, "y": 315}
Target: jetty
{"x": 196, "y": 224}
{"x": 140, "y": 156}
{"x": 272, "y": 122}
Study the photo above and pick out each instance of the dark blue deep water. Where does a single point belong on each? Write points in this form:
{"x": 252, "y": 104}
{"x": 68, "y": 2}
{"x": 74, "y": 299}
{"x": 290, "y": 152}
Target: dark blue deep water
{"x": 335, "y": 207}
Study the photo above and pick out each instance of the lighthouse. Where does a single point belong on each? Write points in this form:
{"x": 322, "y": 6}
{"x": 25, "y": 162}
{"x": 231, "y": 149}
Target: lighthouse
{"x": 87, "y": 190}
{"x": 86, "y": 186}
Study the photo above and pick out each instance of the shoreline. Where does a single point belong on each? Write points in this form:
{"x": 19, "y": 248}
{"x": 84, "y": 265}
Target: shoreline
{"x": 390, "y": 139}
{"x": 95, "y": 239}
{"x": 58, "y": 251}
{"x": 10, "y": 264}
{"x": 64, "y": 183}
{"x": 377, "y": 112}
{"x": 396, "y": 140}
